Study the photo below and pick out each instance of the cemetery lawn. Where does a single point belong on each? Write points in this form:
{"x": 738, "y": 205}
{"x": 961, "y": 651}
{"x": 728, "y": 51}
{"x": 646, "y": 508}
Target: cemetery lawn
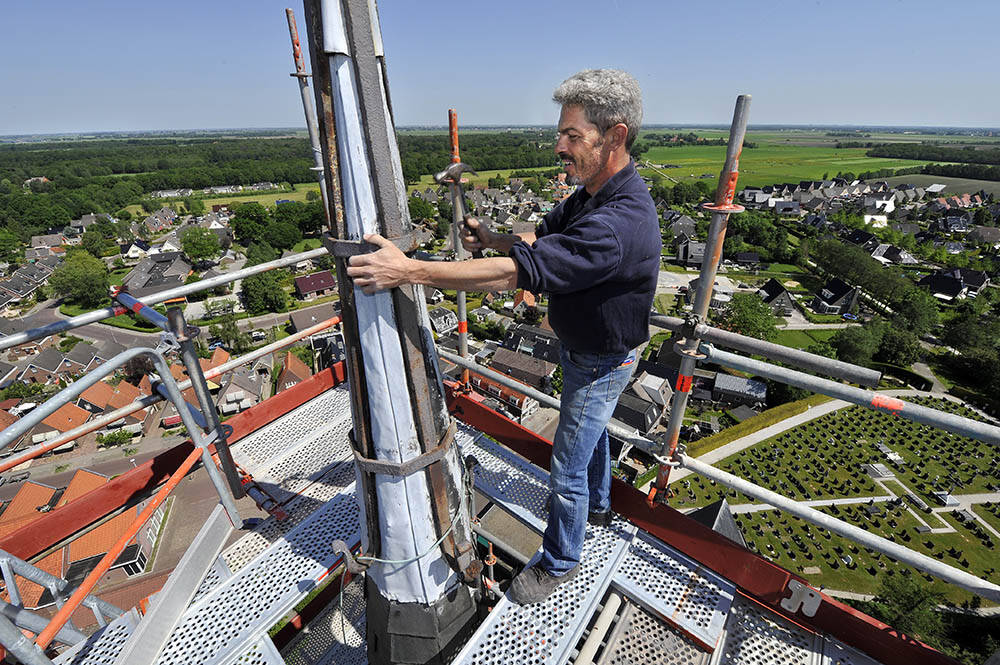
{"x": 823, "y": 459}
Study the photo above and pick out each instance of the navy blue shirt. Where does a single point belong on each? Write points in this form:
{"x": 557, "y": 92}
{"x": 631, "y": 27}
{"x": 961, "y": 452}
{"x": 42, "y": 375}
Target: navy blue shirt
{"x": 597, "y": 257}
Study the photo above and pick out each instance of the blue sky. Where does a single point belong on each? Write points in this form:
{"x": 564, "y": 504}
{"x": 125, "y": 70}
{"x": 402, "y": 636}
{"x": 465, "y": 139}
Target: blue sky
{"x": 105, "y": 65}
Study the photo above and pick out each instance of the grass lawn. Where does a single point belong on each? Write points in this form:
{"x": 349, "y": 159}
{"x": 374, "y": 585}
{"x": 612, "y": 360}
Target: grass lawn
{"x": 664, "y": 303}
{"x": 266, "y": 199}
{"x": 801, "y": 339}
{"x": 124, "y": 321}
{"x": 768, "y": 163}
{"x": 306, "y": 244}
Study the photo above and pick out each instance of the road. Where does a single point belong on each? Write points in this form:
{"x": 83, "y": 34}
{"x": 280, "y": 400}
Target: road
{"x": 49, "y": 313}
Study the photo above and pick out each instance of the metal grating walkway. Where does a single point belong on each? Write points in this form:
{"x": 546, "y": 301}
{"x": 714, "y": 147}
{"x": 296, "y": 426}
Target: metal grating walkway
{"x": 259, "y": 578}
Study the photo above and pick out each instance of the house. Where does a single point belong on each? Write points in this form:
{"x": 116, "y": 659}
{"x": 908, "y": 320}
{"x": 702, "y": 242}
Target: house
{"x": 639, "y": 414}
{"x": 985, "y": 235}
{"x": 65, "y": 418}
{"x": 135, "y": 250}
{"x": 787, "y": 207}
{"x": 889, "y": 254}
{"x": 747, "y": 259}
{"x": 515, "y": 401}
{"x": 443, "y": 321}
{"x": 50, "y": 366}
{"x": 315, "y": 285}
{"x": 306, "y": 318}
{"x": 863, "y": 239}
{"x": 682, "y": 227}
{"x": 690, "y": 253}
{"x": 244, "y": 386}
{"x": 157, "y": 272}
{"x": 302, "y": 265}
{"x": 944, "y": 286}
{"x": 532, "y": 341}
{"x": 777, "y": 296}
{"x": 737, "y": 390}
{"x": 836, "y": 297}
{"x": 533, "y": 371}
{"x": 721, "y": 295}
{"x": 46, "y": 241}
{"x": 652, "y": 388}
{"x": 75, "y": 560}
{"x": 523, "y": 301}
{"x": 433, "y": 296}
{"x": 293, "y": 371}
{"x": 18, "y": 288}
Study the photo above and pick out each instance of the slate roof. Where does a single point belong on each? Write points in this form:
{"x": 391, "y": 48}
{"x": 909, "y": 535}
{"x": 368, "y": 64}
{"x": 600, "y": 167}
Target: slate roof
{"x": 317, "y": 281}
{"x": 303, "y": 319}
{"x": 737, "y": 385}
{"x": 834, "y": 291}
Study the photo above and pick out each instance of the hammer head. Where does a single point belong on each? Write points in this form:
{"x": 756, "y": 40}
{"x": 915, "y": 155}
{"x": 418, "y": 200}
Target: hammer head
{"x": 453, "y": 173}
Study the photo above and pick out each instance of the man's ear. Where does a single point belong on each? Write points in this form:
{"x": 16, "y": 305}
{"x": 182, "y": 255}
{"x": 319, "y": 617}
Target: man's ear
{"x": 619, "y": 133}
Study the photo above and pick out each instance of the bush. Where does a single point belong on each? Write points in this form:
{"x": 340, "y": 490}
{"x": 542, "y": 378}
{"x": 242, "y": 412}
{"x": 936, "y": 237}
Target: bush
{"x": 114, "y": 438}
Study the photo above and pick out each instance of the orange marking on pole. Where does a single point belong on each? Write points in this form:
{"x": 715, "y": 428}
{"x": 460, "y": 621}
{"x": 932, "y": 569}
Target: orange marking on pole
{"x": 73, "y": 603}
{"x": 453, "y": 132}
{"x": 684, "y": 383}
{"x": 463, "y": 327}
{"x": 890, "y": 404}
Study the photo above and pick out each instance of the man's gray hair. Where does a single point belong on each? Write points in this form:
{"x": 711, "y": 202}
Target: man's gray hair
{"x": 607, "y": 96}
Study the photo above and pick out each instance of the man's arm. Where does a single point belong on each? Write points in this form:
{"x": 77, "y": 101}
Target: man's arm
{"x": 389, "y": 267}
{"x": 482, "y": 238}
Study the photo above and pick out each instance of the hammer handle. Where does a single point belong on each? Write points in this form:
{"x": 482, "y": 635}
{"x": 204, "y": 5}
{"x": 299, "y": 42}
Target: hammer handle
{"x": 453, "y": 133}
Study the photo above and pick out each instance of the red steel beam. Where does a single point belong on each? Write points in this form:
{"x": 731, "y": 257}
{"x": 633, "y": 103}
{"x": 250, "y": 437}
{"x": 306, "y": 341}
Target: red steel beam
{"x": 760, "y": 579}
{"x": 63, "y": 522}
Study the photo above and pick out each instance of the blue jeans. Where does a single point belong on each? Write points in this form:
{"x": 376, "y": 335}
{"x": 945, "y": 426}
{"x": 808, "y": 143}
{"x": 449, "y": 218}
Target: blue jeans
{"x": 580, "y": 476}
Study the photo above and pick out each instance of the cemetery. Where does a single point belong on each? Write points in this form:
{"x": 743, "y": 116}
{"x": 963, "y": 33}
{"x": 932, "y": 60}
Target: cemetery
{"x": 831, "y": 458}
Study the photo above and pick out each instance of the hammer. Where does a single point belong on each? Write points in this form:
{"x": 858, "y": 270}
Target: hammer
{"x": 453, "y": 176}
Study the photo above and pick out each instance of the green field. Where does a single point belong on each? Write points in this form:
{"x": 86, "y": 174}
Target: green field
{"x": 768, "y": 163}
{"x": 481, "y": 177}
{"x": 812, "y": 137}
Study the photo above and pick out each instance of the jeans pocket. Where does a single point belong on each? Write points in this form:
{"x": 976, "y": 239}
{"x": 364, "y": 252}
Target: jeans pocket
{"x": 619, "y": 377}
{"x": 585, "y": 362}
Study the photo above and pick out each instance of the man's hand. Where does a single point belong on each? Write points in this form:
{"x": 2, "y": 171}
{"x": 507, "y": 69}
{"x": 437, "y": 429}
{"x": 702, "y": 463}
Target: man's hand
{"x": 478, "y": 239}
{"x": 383, "y": 269}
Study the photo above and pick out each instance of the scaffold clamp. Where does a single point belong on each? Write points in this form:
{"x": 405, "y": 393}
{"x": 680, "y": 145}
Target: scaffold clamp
{"x": 410, "y": 466}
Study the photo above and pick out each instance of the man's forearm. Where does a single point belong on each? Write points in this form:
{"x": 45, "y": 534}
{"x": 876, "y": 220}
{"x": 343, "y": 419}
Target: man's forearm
{"x": 502, "y": 242}
{"x": 495, "y": 273}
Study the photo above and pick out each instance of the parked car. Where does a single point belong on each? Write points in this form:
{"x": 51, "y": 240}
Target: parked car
{"x": 215, "y": 345}
{"x": 849, "y": 316}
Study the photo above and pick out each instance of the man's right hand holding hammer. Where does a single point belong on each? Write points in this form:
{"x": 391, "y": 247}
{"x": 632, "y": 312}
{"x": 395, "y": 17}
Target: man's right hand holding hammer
{"x": 478, "y": 237}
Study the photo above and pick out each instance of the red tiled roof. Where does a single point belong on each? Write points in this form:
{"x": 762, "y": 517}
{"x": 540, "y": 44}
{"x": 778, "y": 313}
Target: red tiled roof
{"x": 101, "y": 539}
{"x": 526, "y": 297}
{"x": 67, "y": 417}
{"x": 219, "y": 356}
{"x": 30, "y": 496}
{"x": 6, "y": 419}
{"x": 10, "y": 403}
{"x": 83, "y": 481}
{"x": 294, "y": 371}
{"x": 98, "y": 394}
{"x": 125, "y": 393}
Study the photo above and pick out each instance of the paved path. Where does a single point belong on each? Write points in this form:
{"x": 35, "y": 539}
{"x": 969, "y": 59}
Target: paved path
{"x": 925, "y": 371}
{"x": 757, "y": 507}
{"x": 818, "y": 326}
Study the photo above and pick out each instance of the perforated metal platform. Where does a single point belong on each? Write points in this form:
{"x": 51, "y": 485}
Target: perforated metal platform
{"x": 641, "y": 638}
{"x": 678, "y": 611}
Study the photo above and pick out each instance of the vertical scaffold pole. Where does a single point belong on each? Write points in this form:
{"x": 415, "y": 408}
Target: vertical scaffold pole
{"x": 458, "y": 221}
{"x": 416, "y": 525}
{"x": 687, "y": 347}
{"x": 307, "y": 108}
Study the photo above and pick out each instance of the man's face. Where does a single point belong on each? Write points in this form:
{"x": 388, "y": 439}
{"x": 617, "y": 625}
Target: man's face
{"x": 580, "y": 146}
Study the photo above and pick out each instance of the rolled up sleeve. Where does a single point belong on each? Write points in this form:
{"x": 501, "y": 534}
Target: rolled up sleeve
{"x": 585, "y": 254}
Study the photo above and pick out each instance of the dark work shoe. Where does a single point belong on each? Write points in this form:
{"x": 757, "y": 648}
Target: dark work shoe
{"x": 533, "y": 585}
{"x": 602, "y": 519}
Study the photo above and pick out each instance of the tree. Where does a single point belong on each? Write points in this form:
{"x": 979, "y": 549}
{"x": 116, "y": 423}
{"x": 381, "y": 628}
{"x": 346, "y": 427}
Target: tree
{"x": 856, "y": 344}
{"x": 898, "y": 347}
{"x": 444, "y": 208}
{"x": 93, "y": 242}
{"x": 8, "y": 245}
{"x": 227, "y": 331}
{"x": 910, "y": 606}
{"x": 282, "y": 235}
{"x": 249, "y": 222}
{"x": 263, "y": 293}
{"x": 81, "y": 279}
{"x": 420, "y": 209}
{"x": 260, "y": 252}
{"x": 748, "y": 315}
{"x": 312, "y": 195}
{"x": 199, "y": 243}
{"x": 918, "y": 312}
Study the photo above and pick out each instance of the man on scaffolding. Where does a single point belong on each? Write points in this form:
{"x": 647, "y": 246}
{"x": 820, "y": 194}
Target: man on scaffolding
{"x": 596, "y": 255}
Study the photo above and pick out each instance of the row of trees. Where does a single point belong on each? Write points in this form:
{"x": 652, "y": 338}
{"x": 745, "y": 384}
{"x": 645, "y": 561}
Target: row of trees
{"x": 938, "y": 153}
{"x": 429, "y": 153}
